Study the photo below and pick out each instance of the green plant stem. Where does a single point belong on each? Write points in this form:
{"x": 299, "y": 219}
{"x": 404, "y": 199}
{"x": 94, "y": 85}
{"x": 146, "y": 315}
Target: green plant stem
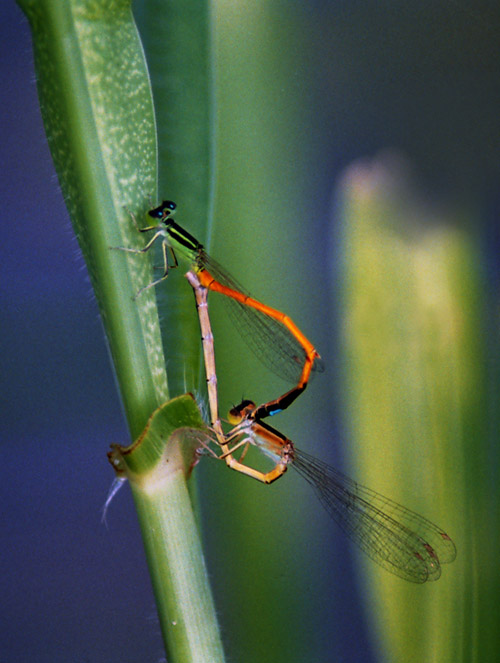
{"x": 97, "y": 109}
{"x": 156, "y": 467}
{"x": 173, "y": 549}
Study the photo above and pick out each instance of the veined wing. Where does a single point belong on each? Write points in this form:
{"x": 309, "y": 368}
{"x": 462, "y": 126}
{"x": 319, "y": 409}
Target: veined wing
{"x": 400, "y": 540}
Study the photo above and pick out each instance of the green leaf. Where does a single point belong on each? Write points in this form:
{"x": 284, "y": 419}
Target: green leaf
{"x": 98, "y": 115}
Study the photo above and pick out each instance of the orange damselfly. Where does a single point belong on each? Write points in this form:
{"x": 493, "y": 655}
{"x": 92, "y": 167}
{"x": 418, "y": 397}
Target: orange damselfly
{"x": 398, "y": 539}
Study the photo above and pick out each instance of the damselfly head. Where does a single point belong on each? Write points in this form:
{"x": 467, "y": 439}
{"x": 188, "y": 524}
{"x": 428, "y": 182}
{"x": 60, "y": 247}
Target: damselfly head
{"x": 163, "y": 211}
{"x": 240, "y": 412}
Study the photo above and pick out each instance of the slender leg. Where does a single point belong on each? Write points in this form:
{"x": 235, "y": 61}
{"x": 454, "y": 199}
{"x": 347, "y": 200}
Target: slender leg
{"x": 165, "y": 248}
{"x": 144, "y": 248}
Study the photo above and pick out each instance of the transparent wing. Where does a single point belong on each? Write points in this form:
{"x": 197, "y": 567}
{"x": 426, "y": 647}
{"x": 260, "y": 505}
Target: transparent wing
{"x": 401, "y": 541}
{"x": 268, "y": 338}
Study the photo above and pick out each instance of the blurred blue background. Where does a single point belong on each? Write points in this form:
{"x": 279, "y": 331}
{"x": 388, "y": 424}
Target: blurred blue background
{"x": 423, "y": 79}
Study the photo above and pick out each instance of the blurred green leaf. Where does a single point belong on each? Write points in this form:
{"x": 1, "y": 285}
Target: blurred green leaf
{"x": 415, "y": 372}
